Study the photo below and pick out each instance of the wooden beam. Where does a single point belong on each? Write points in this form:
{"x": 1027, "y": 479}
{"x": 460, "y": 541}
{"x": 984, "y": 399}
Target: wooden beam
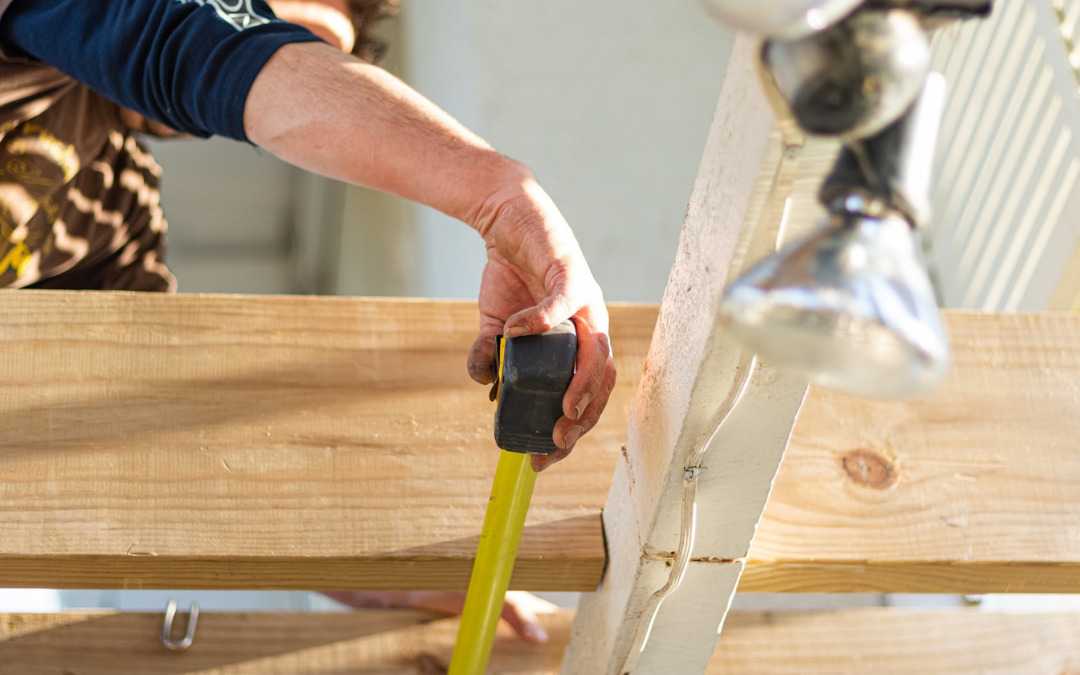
{"x": 899, "y": 642}
{"x": 693, "y": 369}
{"x": 227, "y": 441}
{"x": 854, "y": 642}
{"x": 134, "y": 452}
{"x": 926, "y": 495}
{"x": 261, "y": 643}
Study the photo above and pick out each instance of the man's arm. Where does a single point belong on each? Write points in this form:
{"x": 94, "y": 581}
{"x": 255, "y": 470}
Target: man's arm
{"x": 330, "y": 113}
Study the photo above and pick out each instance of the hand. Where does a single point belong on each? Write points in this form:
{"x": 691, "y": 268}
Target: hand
{"x": 535, "y": 278}
{"x": 520, "y": 610}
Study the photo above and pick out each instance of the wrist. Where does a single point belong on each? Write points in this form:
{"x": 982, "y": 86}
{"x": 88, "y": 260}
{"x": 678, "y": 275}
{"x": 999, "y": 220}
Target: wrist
{"x": 505, "y": 182}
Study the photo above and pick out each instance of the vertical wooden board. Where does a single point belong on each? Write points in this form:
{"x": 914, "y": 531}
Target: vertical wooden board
{"x": 687, "y": 620}
{"x": 691, "y": 370}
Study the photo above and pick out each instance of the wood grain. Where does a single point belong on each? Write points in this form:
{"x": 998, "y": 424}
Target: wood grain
{"x": 134, "y": 452}
{"x": 973, "y": 489}
{"x": 893, "y": 641}
{"x": 217, "y": 441}
{"x": 845, "y": 642}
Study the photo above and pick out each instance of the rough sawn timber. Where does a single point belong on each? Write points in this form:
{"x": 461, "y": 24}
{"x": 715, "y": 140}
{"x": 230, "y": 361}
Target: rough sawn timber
{"x": 689, "y": 382}
{"x": 259, "y": 442}
{"x": 846, "y": 642}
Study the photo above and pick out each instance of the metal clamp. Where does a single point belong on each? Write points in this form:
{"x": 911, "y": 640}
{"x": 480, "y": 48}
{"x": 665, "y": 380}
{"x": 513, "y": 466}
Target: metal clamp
{"x": 167, "y": 628}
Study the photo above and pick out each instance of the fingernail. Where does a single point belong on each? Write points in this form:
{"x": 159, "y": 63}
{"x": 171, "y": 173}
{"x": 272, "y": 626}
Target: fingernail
{"x": 516, "y": 331}
{"x": 583, "y": 403}
{"x": 573, "y": 435}
{"x": 536, "y": 632}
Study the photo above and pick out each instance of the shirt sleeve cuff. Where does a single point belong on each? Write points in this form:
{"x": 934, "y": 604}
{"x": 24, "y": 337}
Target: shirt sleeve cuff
{"x": 245, "y": 66}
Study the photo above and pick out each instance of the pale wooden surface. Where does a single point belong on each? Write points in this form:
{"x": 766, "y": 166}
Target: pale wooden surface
{"x": 892, "y": 641}
{"x": 976, "y": 488}
{"x": 369, "y": 642}
{"x": 691, "y": 369}
{"x": 846, "y": 642}
{"x": 121, "y": 411}
{"x": 227, "y": 441}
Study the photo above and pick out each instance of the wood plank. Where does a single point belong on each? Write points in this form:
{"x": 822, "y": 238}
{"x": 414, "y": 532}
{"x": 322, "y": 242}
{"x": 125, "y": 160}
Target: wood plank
{"x": 854, "y": 641}
{"x": 262, "y": 643}
{"x": 120, "y": 413}
{"x": 229, "y": 441}
{"x": 692, "y": 370}
{"x": 893, "y": 641}
{"x": 973, "y": 489}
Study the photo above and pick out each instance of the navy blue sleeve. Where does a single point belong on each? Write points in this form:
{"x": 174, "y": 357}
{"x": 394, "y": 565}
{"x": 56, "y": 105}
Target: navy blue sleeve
{"x": 186, "y": 63}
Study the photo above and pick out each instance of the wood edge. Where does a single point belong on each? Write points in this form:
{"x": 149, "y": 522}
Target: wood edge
{"x": 901, "y": 576}
{"x": 410, "y": 641}
{"x": 314, "y": 573}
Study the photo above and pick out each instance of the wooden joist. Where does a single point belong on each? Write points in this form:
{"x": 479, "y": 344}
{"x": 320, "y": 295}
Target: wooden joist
{"x": 214, "y": 441}
{"x": 845, "y": 642}
{"x": 225, "y": 441}
{"x": 692, "y": 373}
{"x": 974, "y": 489}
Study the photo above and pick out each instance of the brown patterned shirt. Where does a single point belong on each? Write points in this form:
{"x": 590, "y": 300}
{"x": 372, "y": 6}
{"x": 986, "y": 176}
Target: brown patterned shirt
{"x": 79, "y": 200}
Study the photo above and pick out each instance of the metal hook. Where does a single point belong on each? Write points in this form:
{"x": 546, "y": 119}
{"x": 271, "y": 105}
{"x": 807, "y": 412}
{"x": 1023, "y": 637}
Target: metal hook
{"x": 167, "y": 626}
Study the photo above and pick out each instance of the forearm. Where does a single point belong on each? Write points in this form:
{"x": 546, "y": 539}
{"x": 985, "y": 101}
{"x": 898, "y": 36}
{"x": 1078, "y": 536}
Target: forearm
{"x": 330, "y": 113}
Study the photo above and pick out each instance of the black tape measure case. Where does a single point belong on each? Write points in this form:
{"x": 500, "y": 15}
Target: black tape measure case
{"x": 533, "y": 374}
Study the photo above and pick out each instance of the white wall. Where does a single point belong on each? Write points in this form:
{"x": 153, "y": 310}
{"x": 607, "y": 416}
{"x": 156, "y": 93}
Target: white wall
{"x": 230, "y": 209}
{"x": 609, "y": 104}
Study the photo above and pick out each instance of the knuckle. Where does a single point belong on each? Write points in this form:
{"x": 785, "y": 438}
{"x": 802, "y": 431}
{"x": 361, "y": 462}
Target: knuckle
{"x": 542, "y": 323}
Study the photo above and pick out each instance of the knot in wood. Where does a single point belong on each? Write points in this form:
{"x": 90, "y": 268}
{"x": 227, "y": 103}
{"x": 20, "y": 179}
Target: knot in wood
{"x": 870, "y": 469}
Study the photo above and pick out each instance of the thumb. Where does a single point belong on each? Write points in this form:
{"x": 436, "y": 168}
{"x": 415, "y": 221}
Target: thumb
{"x": 482, "y": 359}
{"x": 555, "y": 308}
{"x": 481, "y": 363}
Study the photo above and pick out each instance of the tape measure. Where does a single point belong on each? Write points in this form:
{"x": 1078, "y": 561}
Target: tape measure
{"x": 532, "y": 374}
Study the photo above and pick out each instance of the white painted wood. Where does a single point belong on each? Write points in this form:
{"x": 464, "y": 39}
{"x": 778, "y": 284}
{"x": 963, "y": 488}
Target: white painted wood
{"x": 684, "y": 638}
{"x": 691, "y": 369}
